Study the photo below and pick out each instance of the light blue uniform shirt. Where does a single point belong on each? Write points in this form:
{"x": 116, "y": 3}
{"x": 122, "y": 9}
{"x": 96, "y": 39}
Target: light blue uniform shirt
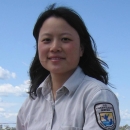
{"x": 82, "y": 103}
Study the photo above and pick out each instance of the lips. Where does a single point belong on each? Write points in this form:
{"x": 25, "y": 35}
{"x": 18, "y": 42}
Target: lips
{"x": 55, "y": 58}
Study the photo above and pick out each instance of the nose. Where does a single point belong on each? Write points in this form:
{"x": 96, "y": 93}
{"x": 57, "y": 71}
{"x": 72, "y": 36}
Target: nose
{"x": 55, "y": 46}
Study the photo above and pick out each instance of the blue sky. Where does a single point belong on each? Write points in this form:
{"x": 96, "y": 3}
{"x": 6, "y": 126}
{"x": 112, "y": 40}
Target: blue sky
{"x": 107, "y": 21}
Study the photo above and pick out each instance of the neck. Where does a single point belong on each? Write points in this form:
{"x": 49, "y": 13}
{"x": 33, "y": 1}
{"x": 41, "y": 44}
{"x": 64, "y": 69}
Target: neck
{"x": 58, "y": 80}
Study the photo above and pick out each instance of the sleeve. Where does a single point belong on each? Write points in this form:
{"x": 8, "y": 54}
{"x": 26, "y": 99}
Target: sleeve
{"x": 20, "y": 124}
{"x": 22, "y": 114}
{"x": 102, "y": 112}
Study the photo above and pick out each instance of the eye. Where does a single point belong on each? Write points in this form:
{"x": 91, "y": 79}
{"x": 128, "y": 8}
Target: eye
{"x": 46, "y": 40}
{"x": 65, "y": 39}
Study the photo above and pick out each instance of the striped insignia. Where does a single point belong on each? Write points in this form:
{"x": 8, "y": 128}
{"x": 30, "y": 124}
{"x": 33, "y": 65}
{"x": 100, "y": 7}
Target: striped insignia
{"x": 105, "y": 116}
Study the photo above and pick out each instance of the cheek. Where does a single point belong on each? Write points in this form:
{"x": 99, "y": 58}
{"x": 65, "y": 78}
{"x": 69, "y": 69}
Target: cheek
{"x": 41, "y": 51}
{"x": 74, "y": 52}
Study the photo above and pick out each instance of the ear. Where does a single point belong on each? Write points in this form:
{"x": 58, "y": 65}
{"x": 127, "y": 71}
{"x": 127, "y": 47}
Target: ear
{"x": 81, "y": 51}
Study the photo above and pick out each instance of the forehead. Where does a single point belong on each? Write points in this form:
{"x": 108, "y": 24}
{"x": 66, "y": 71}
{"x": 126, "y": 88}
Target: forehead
{"x": 56, "y": 24}
{"x": 54, "y": 19}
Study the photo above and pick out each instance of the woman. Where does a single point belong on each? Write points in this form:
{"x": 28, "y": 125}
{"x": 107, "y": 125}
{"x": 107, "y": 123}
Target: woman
{"x": 68, "y": 82}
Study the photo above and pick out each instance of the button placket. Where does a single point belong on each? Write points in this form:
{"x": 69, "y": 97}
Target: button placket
{"x": 51, "y": 113}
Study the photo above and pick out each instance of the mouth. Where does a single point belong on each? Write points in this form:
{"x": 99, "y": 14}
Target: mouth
{"x": 56, "y": 58}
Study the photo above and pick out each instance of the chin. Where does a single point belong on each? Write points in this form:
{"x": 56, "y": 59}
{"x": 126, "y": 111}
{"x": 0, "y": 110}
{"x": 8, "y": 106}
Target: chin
{"x": 57, "y": 71}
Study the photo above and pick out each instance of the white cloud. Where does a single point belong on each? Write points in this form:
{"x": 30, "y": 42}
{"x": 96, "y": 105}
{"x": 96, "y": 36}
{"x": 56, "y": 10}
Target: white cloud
{"x": 13, "y": 75}
{"x": 117, "y": 94}
{"x": 5, "y": 74}
{"x": 25, "y": 64}
{"x": 8, "y": 115}
{"x": 125, "y": 114}
{"x": 8, "y": 105}
{"x": 1, "y": 99}
{"x": 2, "y": 110}
{"x": 6, "y": 89}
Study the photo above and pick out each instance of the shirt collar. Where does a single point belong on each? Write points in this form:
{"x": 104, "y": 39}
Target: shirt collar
{"x": 71, "y": 84}
{"x": 75, "y": 80}
{"x": 45, "y": 87}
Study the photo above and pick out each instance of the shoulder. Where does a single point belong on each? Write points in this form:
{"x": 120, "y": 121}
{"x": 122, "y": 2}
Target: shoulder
{"x": 27, "y": 107}
{"x": 91, "y": 87}
{"x": 92, "y": 82}
{"x": 101, "y": 103}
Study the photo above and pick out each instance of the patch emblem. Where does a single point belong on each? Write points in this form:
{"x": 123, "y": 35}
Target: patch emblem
{"x": 105, "y": 116}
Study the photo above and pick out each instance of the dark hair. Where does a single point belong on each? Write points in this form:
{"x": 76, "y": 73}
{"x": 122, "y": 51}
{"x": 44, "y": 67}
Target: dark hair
{"x": 89, "y": 62}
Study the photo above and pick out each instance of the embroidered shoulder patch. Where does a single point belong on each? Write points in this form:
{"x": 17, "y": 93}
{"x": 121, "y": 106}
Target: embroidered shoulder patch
{"x": 105, "y": 116}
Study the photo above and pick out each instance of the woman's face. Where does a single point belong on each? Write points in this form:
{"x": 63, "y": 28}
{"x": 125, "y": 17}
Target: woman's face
{"x": 58, "y": 46}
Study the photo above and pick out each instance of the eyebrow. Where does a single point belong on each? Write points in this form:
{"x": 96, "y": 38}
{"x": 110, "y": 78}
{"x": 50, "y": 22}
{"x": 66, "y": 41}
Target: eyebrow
{"x": 48, "y": 34}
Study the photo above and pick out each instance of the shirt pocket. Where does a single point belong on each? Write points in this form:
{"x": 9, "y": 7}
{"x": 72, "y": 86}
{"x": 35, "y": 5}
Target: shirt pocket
{"x": 69, "y": 128}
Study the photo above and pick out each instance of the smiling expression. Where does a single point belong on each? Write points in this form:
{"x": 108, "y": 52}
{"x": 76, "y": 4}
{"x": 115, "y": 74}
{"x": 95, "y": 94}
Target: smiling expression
{"x": 59, "y": 47}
